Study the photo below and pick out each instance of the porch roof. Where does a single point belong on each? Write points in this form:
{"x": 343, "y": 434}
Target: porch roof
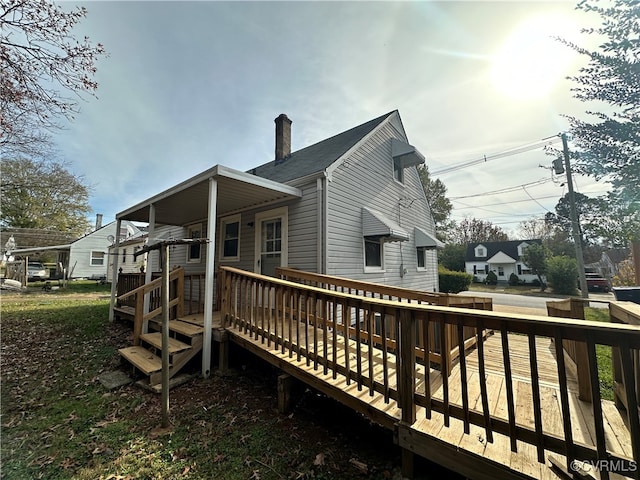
{"x": 188, "y": 201}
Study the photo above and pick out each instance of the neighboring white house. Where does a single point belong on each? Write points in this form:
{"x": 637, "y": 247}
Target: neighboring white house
{"x": 502, "y": 258}
{"x": 125, "y": 251}
{"x": 88, "y": 256}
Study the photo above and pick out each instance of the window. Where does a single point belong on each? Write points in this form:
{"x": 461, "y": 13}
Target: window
{"x": 194, "y": 250}
{"x": 97, "y": 258}
{"x": 373, "y": 254}
{"x": 230, "y": 229}
{"x": 124, "y": 255}
{"x": 481, "y": 252}
{"x": 422, "y": 264}
{"x": 501, "y": 271}
{"x": 398, "y": 172}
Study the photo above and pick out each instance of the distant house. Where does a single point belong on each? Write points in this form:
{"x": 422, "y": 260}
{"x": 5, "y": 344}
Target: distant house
{"x": 502, "y": 258}
{"x": 609, "y": 262}
{"x": 88, "y": 256}
{"x": 125, "y": 251}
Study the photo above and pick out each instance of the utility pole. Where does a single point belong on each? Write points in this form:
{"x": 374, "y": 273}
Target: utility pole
{"x": 575, "y": 225}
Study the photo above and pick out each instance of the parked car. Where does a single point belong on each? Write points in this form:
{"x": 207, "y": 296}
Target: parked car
{"x": 597, "y": 283}
{"x": 36, "y": 271}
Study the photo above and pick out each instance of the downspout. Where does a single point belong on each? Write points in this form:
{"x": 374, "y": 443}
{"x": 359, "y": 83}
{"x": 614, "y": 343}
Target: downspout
{"x": 325, "y": 224}
{"x": 114, "y": 272}
{"x": 209, "y": 277}
{"x": 319, "y": 218}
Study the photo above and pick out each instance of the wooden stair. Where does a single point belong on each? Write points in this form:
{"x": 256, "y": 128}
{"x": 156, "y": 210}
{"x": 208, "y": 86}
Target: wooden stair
{"x": 185, "y": 342}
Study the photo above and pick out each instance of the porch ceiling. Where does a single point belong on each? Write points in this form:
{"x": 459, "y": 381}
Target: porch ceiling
{"x": 187, "y": 202}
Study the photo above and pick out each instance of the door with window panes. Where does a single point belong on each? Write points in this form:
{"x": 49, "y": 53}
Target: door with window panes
{"x": 271, "y": 241}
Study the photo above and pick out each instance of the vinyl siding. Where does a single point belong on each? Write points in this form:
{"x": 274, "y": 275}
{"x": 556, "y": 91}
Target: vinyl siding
{"x": 365, "y": 178}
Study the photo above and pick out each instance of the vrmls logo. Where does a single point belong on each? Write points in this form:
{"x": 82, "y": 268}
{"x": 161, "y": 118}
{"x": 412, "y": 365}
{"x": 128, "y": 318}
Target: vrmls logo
{"x": 614, "y": 466}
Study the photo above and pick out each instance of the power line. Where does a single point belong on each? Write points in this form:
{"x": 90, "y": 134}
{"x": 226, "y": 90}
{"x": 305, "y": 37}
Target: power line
{"x": 495, "y": 156}
{"x": 505, "y": 190}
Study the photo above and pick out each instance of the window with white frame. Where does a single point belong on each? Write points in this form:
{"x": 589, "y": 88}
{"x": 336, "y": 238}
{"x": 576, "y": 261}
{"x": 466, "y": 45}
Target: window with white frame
{"x": 97, "y": 258}
{"x": 230, "y": 238}
{"x": 194, "y": 250}
{"x": 373, "y": 254}
{"x": 481, "y": 251}
{"x": 421, "y": 253}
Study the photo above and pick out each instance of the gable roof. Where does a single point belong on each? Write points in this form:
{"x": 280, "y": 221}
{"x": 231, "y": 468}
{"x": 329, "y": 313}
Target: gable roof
{"x": 509, "y": 247}
{"x": 317, "y": 157}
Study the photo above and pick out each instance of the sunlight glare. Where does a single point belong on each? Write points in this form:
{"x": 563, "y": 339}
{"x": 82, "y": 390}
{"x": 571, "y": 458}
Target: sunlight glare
{"x": 532, "y": 61}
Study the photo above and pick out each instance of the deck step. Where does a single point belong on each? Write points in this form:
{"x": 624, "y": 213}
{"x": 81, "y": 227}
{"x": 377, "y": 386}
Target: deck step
{"x": 125, "y": 310}
{"x": 142, "y": 359}
{"x": 155, "y": 340}
{"x": 194, "y": 319}
{"x": 186, "y": 329}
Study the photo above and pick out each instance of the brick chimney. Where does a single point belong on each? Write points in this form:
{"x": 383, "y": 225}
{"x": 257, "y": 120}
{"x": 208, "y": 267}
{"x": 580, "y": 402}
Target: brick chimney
{"x": 283, "y": 137}
{"x": 98, "y": 221}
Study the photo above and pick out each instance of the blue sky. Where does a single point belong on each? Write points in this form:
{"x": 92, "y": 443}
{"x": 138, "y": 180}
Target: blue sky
{"x": 188, "y": 85}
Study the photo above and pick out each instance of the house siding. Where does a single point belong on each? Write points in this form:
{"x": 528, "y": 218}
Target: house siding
{"x": 365, "y": 179}
{"x": 80, "y": 251}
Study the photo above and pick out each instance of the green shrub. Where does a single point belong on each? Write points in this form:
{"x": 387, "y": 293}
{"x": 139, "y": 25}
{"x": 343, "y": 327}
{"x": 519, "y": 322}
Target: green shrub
{"x": 453, "y": 282}
{"x": 514, "y": 280}
{"x": 492, "y": 278}
{"x": 562, "y": 273}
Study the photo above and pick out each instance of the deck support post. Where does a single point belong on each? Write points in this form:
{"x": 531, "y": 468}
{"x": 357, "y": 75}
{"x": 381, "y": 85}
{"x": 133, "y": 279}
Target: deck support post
{"x": 223, "y": 353}
{"x": 288, "y": 391}
{"x": 407, "y": 381}
{"x": 407, "y": 467}
{"x": 114, "y": 272}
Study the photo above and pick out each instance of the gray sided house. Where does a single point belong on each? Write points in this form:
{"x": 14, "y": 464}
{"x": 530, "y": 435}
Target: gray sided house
{"x": 501, "y": 258}
{"x": 351, "y": 206}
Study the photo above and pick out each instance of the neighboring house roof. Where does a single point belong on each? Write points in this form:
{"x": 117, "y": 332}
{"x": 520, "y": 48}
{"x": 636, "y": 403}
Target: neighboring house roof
{"x": 618, "y": 255}
{"x": 318, "y": 157}
{"x": 509, "y": 248}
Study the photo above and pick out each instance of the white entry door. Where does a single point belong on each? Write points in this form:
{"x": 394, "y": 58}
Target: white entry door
{"x": 271, "y": 240}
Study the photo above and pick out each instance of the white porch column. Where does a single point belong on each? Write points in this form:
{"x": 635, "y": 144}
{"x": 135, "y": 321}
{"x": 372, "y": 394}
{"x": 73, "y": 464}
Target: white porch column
{"x": 148, "y": 270}
{"x": 209, "y": 277}
{"x": 151, "y": 231}
{"x": 114, "y": 271}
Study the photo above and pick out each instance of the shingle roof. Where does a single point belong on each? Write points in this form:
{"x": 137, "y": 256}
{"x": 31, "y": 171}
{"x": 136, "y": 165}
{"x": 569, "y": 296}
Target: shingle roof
{"x": 509, "y": 247}
{"x": 316, "y": 158}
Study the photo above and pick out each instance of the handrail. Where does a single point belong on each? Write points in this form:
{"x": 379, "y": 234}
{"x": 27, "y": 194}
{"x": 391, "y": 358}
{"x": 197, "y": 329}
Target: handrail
{"x": 288, "y": 315}
{"x": 139, "y": 317}
{"x": 446, "y": 345}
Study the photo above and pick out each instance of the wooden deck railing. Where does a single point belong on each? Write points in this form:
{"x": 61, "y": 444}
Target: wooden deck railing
{"x": 313, "y": 324}
{"x": 626, "y": 384}
{"x": 194, "y": 288}
{"x": 135, "y": 298}
{"x": 387, "y": 292}
{"x": 576, "y": 351}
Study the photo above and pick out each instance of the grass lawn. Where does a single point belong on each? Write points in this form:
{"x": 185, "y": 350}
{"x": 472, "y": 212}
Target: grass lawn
{"x": 603, "y": 354}
{"x": 59, "y": 422}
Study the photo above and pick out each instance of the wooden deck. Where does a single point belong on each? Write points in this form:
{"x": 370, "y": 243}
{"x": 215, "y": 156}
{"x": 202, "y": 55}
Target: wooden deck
{"x": 502, "y": 410}
{"x": 386, "y": 412}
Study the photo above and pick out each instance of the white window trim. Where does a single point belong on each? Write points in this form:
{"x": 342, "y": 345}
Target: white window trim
{"x": 480, "y": 248}
{"x": 223, "y": 223}
{"x": 104, "y": 255}
{"x": 195, "y": 226}
{"x": 283, "y": 214}
{"x": 376, "y": 269}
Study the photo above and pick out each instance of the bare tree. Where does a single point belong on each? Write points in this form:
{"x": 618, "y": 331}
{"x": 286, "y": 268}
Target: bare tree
{"x": 45, "y": 71}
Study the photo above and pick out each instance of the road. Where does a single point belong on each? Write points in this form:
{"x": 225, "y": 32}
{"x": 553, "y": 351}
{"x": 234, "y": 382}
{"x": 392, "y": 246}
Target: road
{"x": 528, "y": 301}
